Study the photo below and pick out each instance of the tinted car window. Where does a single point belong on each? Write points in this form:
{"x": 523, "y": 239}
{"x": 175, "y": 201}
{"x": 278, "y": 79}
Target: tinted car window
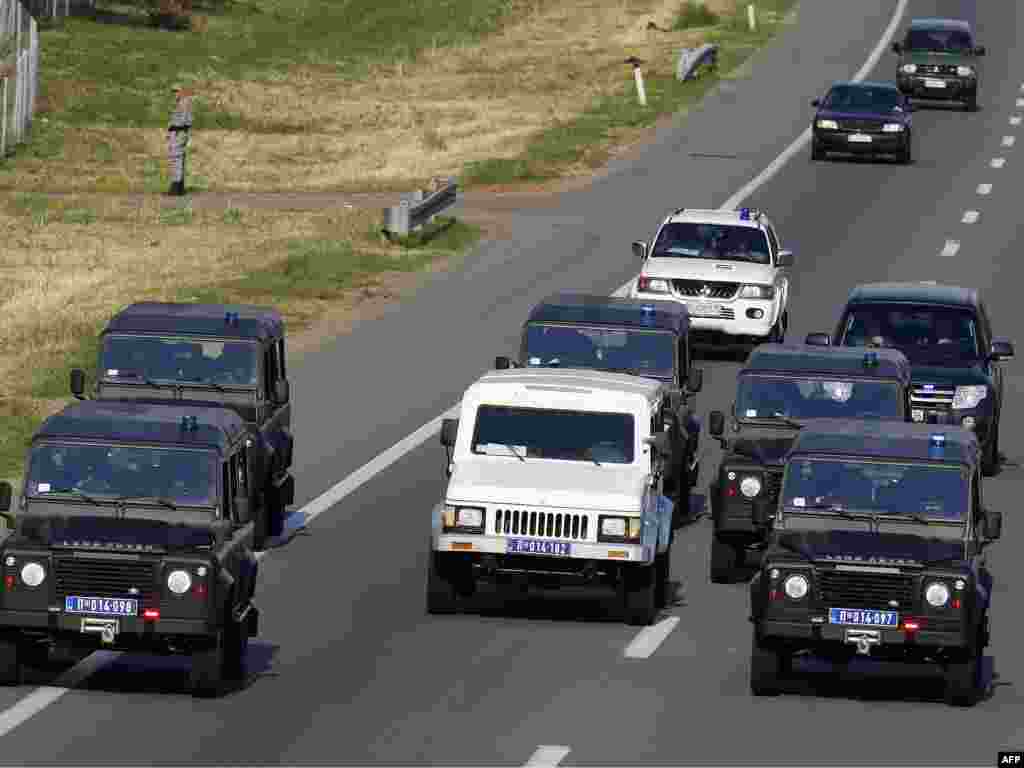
{"x": 179, "y": 359}
{"x": 648, "y": 352}
{"x": 721, "y": 242}
{"x": 938, "y": 40}
{"x": 849, "y": 98}
{"x": 765, "y": 397}
{"x": 927, "y": 335}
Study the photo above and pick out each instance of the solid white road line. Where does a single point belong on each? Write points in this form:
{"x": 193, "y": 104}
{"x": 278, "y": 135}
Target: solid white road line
{"x": 1009, "y": 141}
{"x": 649, "y": 638}
{"x": 984, "y": 189}
{"x": 970, "y": 217}
{"x": 1015, "y": 120}
{"x": 950, "y": 248}
{"x": 802, "y": 140}
{"x": 38, "y": 699}
{"x": 997, "y": 162}
{"x": 547, "y": 757}
{"x": 1020, "y": 102}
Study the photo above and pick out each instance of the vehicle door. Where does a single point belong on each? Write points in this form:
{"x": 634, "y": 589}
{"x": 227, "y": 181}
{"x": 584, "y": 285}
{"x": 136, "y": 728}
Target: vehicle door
{"x": 994, "y": 368}
{"x": 781, "y": 273}
{"x": 277, "y": 427}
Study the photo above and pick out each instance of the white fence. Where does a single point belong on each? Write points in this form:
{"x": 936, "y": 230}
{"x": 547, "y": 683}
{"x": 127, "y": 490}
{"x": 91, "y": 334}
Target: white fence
{"x": 19, "y": 70}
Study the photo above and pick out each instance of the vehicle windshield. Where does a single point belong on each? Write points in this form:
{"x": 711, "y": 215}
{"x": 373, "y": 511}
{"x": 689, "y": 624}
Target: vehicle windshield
{"x": 131, "y": 358}
{"x": 648, "y": 353}
{"x": 536, "y": 433}
{"x": 938, "y": 41}
{"x": 721, "y": 242}
{"x": 764, "y": 397}
{"x": 927, "y": 335}
{"x": 857, "y": 98}
{"x": 891, "y": 488}
{"x": 125, "y": 534}
{"x": 180, "y": 475}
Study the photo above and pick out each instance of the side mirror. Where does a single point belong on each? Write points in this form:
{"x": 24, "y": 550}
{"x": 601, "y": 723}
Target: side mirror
{"x": 993, "y": 524}
{"x": 716, "y": 423}
{"x": 818, "y": 340}
{"x": 6, "y": 493}
{"x": 785, "y": 258}
{"x": 640, "y": 249}
{"x": 282, "y": 391}
{"x": 675, "y": 399}
{"x": 1001, "y": 350}
{"x": 897, "y": 47}
{"x": 979, "y": 51}
{"x": 695, "y": 380}
{"x": 661, "y": 443}
{"x": 449, "y": 430}
{"x": 502, "y": 363}
{"x": 815, "y": 102}
{"x": 78, "y": 383}
{"x": 242, "y": 510}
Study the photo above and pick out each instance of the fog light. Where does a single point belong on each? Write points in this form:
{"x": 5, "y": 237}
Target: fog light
{"x": 755, "y": 314}
{"x": 917, "y": 414}
{"x": 968, "y": 422}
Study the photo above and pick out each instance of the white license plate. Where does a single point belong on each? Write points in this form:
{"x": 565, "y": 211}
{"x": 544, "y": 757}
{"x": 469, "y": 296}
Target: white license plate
{"x": 933, "y": 83}
{"x": 859, "y": 138}
{"x": 704, "y": 309}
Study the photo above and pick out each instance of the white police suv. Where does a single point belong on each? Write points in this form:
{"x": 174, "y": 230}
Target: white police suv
{"x": 728, "y": 267}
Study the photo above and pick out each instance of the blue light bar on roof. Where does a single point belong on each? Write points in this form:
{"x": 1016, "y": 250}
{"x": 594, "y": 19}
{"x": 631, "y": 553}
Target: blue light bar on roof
{"x": 938, "y": 441}
{"x": 231, "y": 318}
{"x": 870, "y": 359}
{"x": 744, "y": 214}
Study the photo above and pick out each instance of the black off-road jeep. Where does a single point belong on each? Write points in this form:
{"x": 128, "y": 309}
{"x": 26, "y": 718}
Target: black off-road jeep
{"x": 781, "y": 389}
{"x": 878, "y": 550}
{"x": 648, "y": 338}
{"x": 231, "y": 356}
{"x": 133, "y": 532}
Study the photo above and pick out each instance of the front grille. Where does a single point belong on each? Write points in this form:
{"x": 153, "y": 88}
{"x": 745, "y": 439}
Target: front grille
{"x": 705, "y": 289}
{"x": 932, "y": 396}
{"x": 545, "y": 525}
{"x": 88, "y": 577}
{"x": 772, "y": 485}
{"x": 936, "y": 69}
{"x": 727, "y": 314}
{"x": 863, "y": 589}
{"x": 868, "y": 126}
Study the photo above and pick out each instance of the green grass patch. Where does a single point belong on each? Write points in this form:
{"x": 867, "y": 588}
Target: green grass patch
{"x": 178, "y": 215}
{"x": 79, "y": 216}
{"x": 586, "y": 139}
{"x": 694, "y": 13}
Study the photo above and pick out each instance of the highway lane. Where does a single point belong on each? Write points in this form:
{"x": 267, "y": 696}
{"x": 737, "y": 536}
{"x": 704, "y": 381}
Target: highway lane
{"x": 350, "y": 670}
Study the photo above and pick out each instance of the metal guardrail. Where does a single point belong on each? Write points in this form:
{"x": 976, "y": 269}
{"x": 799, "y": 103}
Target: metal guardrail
{"x": 19, "y": 73}
{"x": 692, "y": 59}
{"x": 410, "y": 215}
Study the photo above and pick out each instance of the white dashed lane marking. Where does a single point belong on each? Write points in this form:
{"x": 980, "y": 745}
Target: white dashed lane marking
{"x": 951, "y": 247}
{"x": 984, "y": 189}
{"x": 547, "y": 757}
{"x": 1015, "y": 120}
{"x": 1009, "y": 141}
{"x": 970, "y": 217}
{"x": 997, "y": 162}
{"x": 649, "y": 638}
{"x": 1020, "y": 102}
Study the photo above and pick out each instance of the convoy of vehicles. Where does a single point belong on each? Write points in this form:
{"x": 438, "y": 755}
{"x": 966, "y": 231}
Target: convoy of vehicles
{"x": 852, "y": 464}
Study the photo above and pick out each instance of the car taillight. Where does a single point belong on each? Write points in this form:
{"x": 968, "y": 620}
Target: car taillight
{"x": 199, "y": 590}
{"x": 151, "y": 614}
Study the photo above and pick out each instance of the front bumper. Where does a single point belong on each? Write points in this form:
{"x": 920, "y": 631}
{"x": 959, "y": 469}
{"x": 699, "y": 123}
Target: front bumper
{"x": 732, "y": 316}
{"x": 982, "y": 419}
{"x": 954, "y": 89}
{"x": 497, "y": 550}
{"x": 881, "y": 143}
{"x": 133, "y": 632}
{"x": 820, "y": 636}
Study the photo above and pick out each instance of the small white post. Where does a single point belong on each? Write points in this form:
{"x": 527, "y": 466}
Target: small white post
{"x": 752, "y": 17}
{"x": 641, "y": 94}
{"x": 3, "y": 123}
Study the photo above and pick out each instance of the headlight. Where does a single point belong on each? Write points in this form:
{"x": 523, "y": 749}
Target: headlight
{"x": 750, "y": 486}
{"x": 32, "y": 574}
{"x": 796, "y": 586}
{"x": 652, "y": 285}
{"x": 909, "y": 68}
{"x": 828, "y": 125}
{"x": 892, "y": 128}
{"x": 463, "y": 517}
{"x": 969, "y": 396}
{"x": 757, "y": 292}
{"x": 937, "y": 594}
{"x": 964, "y": 71}
{"x": 620, "y": 527}
{"x": 179, "y": 582}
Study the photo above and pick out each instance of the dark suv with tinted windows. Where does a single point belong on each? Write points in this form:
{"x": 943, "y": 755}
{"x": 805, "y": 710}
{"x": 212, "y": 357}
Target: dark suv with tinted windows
{"x": 945, "y": 332}
{"x": 939, "y": 61}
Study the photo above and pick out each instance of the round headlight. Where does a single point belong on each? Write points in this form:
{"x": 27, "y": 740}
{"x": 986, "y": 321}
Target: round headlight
{"x": 910, "y": 68}
{"x": 937, "y": 594}
{"x": 33, "y": 574}
{"x": 179, "y": 582}
{"x": 964, "y": 71}
{"x": 750, "y": 487}
{"x": 796, "y": 586}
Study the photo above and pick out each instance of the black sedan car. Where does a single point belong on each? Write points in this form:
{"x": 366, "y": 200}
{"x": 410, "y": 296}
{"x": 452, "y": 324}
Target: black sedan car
{"x": 863, "y": 118}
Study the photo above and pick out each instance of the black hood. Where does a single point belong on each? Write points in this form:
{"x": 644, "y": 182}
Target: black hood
{"x": 124, "y": 535}
{"x": 865, "y": 547}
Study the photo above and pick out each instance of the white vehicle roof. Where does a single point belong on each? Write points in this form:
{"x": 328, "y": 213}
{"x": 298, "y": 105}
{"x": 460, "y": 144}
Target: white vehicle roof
{"x": 571, "y": 389}
{"x": 718, "y": 216}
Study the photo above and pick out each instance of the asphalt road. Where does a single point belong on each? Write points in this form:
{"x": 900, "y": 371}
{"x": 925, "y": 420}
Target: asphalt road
{"x": 349, "y": 669}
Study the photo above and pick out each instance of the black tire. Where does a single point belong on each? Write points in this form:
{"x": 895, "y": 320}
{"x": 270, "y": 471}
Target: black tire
{"x": 663, "y": 570}
{"x": 971, "y": 103}
{"x": 723, "y": 561}
{"x": 767, "y": 666}
{"x": 990, "y": 457}
{"x": 963, "y": 680}
{"x": 441, "y": 592}
{"x": 206, "y": 677}
{"x": 11, "y": 666}
{"x": 260, "y": 524}
{"x": 236, "y": 642}
{"x": 639, "y": 599}
{"x": 817, "y": 153}
{"x": 907, "y": 155}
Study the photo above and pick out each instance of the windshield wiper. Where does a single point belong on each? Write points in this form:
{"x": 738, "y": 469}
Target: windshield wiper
{"x": 77, "y": 493}
{"x": 589, "y": 454}
{"x": 782, "y": 418}
{"x": 511, "y": 449}
{"x": 630, "y": 371}
{"x": 209, "y": 383}
{"x": 165, "y": 502}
